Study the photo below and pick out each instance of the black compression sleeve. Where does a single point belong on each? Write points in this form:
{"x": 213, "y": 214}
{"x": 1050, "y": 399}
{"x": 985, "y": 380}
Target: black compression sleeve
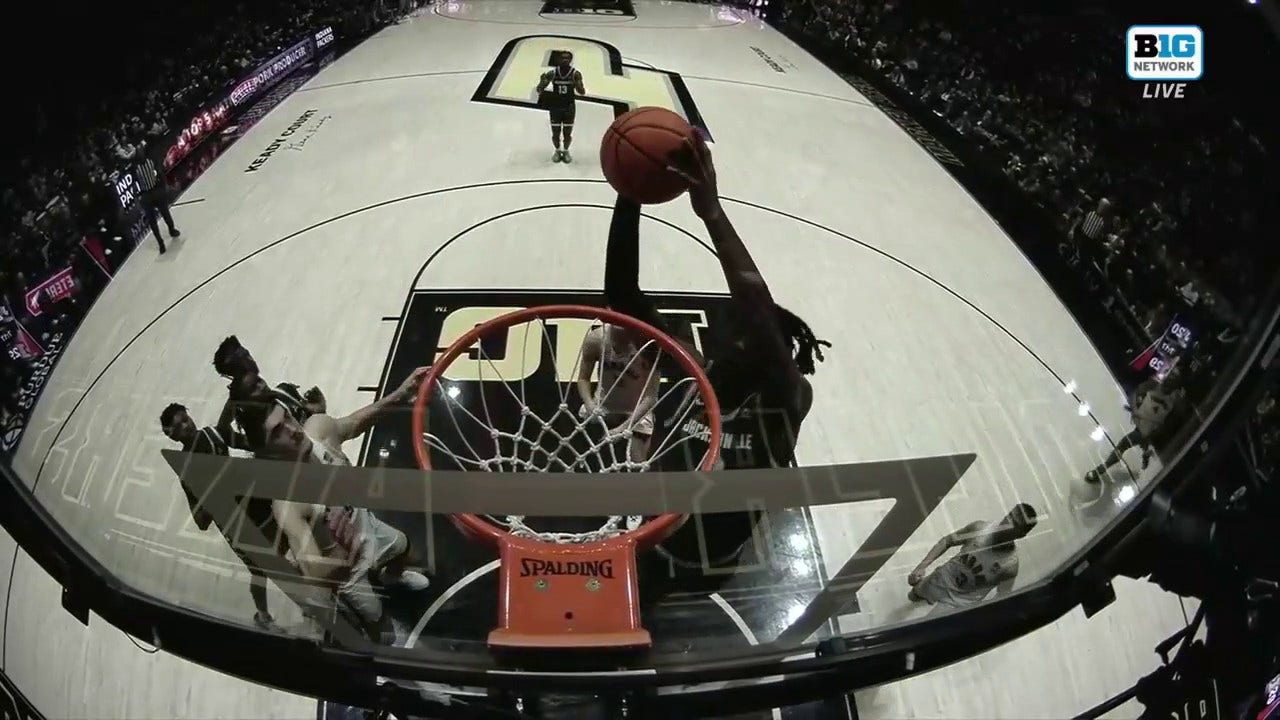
{"x": 622, "y": 266}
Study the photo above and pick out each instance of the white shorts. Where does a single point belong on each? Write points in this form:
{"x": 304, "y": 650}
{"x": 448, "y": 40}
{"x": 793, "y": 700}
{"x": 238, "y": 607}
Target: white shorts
{"x": 643, "y": 426}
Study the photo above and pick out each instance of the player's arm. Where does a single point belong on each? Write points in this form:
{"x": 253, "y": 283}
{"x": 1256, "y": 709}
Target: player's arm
{"x": 592, "y": 349}
{"x": 294, "y": 520}
{"x": 315, "y": 401}
{"x": 648, "y": 398}
{"x": 543, "y": 82}
{"x": 622, "y": 273}
{"x": 226, "y": 419}
{"x": 359, "y": 422}
{"x": 202, "y": 518}
{"x": 578, "y": 84}
{"x": 622, "y": 266}
{"x": 940, "y": 548}
{"x": 1006, "y": 584}
{"x": 747, "y": 288}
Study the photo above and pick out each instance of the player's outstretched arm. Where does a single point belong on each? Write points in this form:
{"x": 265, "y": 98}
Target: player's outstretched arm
{"x": 578, "y": 85}
{"x": 358, "y": 422}
{"x": 294, "y": 520}
{"x": 622, "y": 266}
{"x": 747, "y": 287}
{"x": 226, "y": 418}
{"x": 588, "y": 358}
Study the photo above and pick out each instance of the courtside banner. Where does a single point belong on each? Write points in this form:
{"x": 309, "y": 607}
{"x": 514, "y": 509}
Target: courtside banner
{"x": 205, "y": 123}
{"x": 219, "y": 113}
{"x": 56, "y": 288}
{"x": 37, "y": 375}
{"x": 271, "y": 72}
{"x": 14, "y": 338}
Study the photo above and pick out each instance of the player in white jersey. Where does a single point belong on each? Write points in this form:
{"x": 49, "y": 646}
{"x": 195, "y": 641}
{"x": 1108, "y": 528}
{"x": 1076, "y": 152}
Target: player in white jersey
{"x": 345, "y": 545}
{"x": 628, "y": 383}
{"x": 987, "y": 559}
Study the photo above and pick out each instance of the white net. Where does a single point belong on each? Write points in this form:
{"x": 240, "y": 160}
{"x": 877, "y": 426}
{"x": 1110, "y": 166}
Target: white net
{"x": 509, "y": 412}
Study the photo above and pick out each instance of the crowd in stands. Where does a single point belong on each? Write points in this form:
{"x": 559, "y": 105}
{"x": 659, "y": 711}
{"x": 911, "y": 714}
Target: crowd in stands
{"x": 1161, "y": 208}
{"x": 57, "y": 189}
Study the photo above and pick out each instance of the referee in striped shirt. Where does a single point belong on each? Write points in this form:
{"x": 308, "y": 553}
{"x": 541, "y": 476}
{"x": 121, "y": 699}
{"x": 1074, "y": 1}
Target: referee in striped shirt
{"x": 1097, "y": 224}
{"x": 155, "y": 193}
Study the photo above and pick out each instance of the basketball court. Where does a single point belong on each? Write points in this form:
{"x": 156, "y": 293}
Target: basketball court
{"x": 407, "y": 193}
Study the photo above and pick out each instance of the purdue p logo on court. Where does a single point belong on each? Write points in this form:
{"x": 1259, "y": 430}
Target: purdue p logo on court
{"x": 610, "y": 81}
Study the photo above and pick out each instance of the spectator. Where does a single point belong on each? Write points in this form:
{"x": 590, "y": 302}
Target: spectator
{"x": 61, "y": 174}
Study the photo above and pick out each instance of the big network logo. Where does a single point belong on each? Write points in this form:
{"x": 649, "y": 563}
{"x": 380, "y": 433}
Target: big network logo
{"x": 1164, "y": 57}
{"x": 1165, "y": 53}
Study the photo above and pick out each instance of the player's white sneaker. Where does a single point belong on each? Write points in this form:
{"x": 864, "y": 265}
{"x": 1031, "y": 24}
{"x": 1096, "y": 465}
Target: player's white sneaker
{"x": 565, "y": 156}
{"x": 558, "y": 156}
{"x": 410, "y": 580}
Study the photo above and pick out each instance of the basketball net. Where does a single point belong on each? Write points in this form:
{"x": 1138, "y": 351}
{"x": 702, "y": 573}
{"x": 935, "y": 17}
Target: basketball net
{"x": 558, "y": 588}
{"x": 569, "y": 436}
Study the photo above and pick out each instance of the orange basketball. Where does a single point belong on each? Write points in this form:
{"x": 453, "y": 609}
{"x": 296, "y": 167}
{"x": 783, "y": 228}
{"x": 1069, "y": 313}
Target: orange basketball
{"x": 634, "y": 154}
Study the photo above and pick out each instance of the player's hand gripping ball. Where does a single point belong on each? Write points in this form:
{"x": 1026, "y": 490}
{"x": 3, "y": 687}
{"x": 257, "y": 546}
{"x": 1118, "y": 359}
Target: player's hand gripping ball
{"x": 635, "y": 150}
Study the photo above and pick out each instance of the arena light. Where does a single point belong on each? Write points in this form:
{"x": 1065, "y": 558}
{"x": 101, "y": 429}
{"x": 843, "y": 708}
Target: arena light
{"x": 1098, "y": 434}
{"x": 1083, "y": 410}
{"x": 1070, "y": 387}
{"x": 1125, "y": 495}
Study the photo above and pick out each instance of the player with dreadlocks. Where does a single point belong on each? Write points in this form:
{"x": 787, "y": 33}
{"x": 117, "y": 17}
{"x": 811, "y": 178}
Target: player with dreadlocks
{"x": 233, "y": 361}
{"x": 757, "y": 367}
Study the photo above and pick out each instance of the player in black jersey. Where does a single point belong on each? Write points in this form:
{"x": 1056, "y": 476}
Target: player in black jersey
{"x": 233, "y": 361}
{"x": 566, "y": 83}
{"x": 757, "y": 368}
{"x": 219, "y": 440}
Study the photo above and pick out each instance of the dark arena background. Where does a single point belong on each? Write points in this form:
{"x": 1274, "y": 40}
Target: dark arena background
{"x": 1034, "y": 479}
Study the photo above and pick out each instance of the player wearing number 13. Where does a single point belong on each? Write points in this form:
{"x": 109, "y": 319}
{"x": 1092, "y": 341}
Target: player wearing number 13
{"x": 566, "y": 83}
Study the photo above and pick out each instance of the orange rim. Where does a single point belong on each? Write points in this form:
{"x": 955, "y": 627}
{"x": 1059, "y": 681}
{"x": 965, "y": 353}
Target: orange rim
{"x": 648, "y": 534}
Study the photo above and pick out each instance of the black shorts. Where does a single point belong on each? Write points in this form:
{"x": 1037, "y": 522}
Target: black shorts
{"x": 563, "y": 115}
{"x": 711, "y": 540}
{"x": 249, "y": 562}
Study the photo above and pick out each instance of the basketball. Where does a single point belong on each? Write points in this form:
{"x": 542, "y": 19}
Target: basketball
{"x": 634, "y": 154}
